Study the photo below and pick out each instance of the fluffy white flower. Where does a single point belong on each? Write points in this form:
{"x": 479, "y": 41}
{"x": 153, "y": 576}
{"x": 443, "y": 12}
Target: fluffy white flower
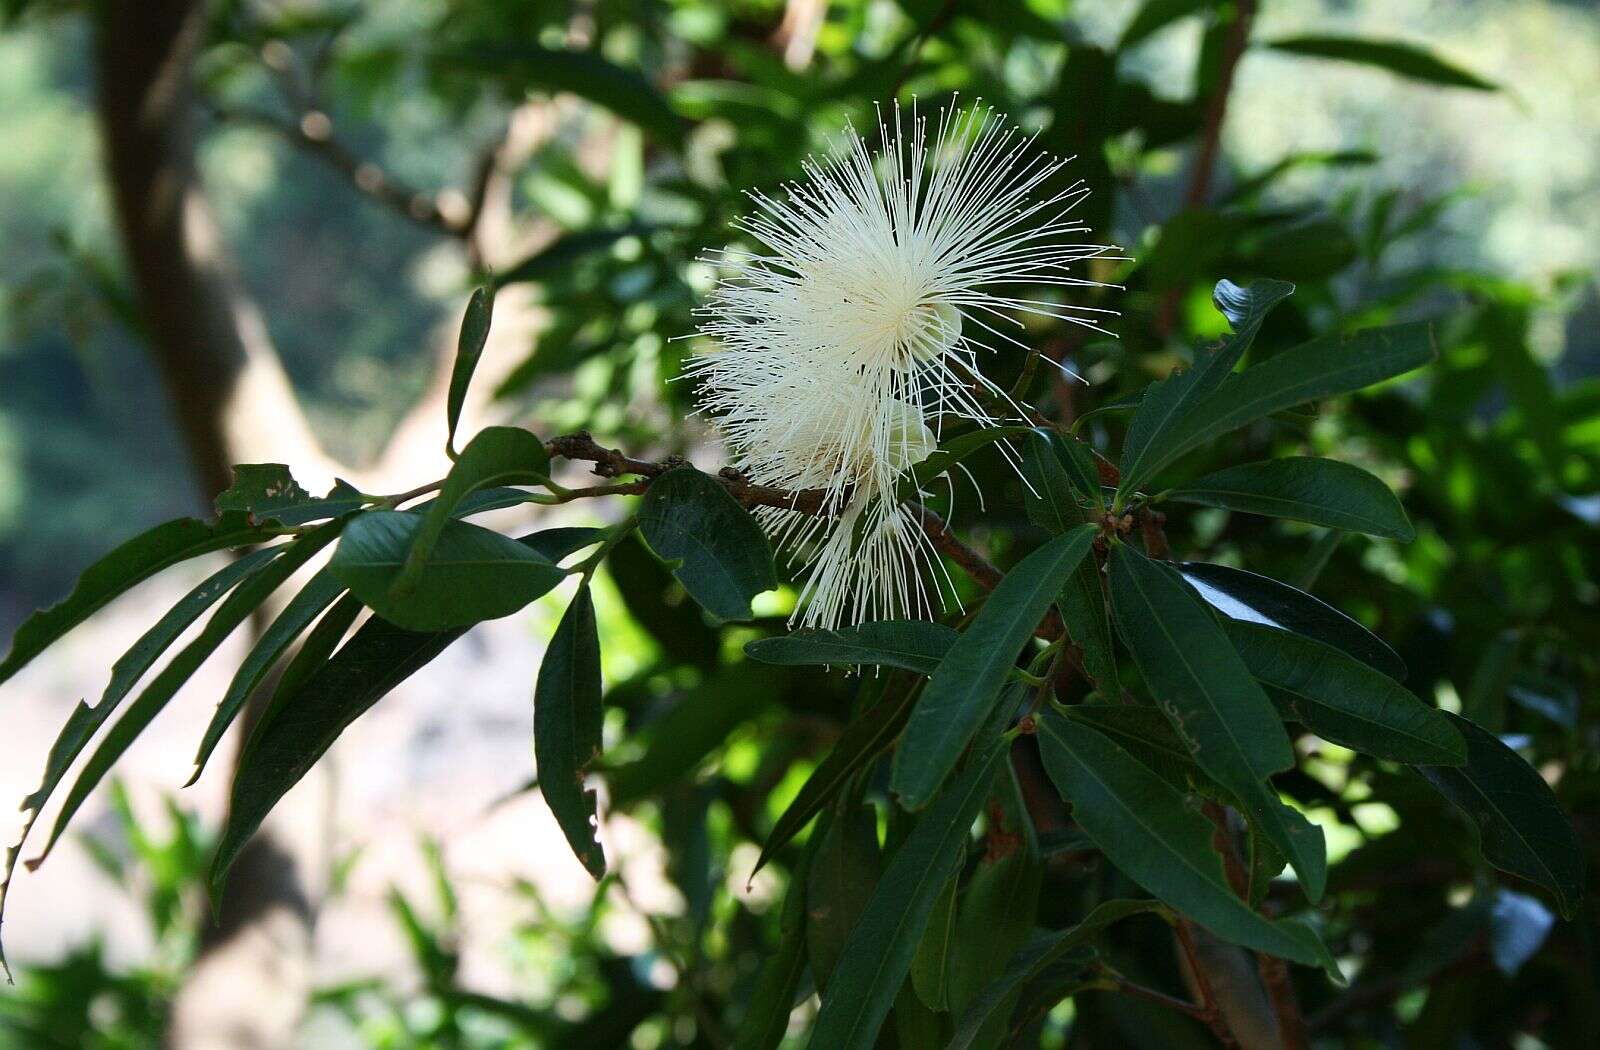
{"x": 852, "y": 335}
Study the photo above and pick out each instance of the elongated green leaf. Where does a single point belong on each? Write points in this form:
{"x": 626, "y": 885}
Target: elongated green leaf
{"x": 1154, "y": 837}
{"x": 1346, "y": 701}
{"x": 1398, "y": 57}
{"x": 496, "y": 456}
{"x": 567, "y": 720}
{"x": 877, "y": 957}
{"x": 473, "y": 338}
{"x": 128, "y": 565}
{"x": 866, "y": 737}
{"x": 315, "y": 651}
{"x": 1304, "y": 488}
{"x": 722, "y": 554}
{"x": 1205, "y": 689}
{"x": 839, "y": 882}
{"x": 1034, "y": 959}
{"x": 1083, "y": 609}
{"x": 1155, "y": 16}
{"x": 1146, "y": 734}
{"x": 951, "y": 453}
{"x": 1166, "y": 404}
{"x": 244, "y": 599}
{"x": 1325, "y": 367}
{"x": 585, "y": 74}
{"x": 966, "y": 684}
{"x": 319, "y": 593}
{"x": 1247, "y": 596}
{"x": 473, "y": 574}
{"x": 1519, "y": 822}
{"x": 914, "y": 645}
{"x": 556, "y": 544}
{"x": 1049, "y": 499}
{"x": 930, "y": 966}
{"x": 766, "y": 1017}
{"x": 377, "y": 658}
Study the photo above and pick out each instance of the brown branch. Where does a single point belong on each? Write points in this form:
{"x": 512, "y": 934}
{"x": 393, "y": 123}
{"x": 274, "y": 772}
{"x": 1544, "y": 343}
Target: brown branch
{"x": 314, "y": 135}
{"x": 1210, "y": 1013}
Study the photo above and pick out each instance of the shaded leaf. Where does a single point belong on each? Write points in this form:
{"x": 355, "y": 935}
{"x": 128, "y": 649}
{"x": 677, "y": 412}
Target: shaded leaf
{"x": 877, "y": 957}
{"x": 966, "y": 684}
{"x": 1049, "y": 497}
{"x": 1145, "y": 827}
{"x": 930, "y": 966}
{"x": 1398, "y": 57}
{"x": 1304, "y": 488}
{"x": 766, "y": 1017}
{"x": 474, "y": 336}
{"x": 722, "y": 555}
{"x": 1519, "y": 822}
{"x": 839, "y": 882}
{"x": 1204, "y": 687}
{"x": 914, "y": 645}
{"x": 473, "y": 573}
{"x": 951, "y": 453}
{"x": 1083, "y": 609}
{"x": 567, "y": 721}
{"x": 583, "y": 73}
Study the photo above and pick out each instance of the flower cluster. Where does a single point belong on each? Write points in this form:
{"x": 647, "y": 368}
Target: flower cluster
{"x": 848, "y": 340}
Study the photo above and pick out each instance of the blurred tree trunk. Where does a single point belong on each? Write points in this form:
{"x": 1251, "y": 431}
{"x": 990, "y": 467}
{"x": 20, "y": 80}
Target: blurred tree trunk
{"x": 234, "y": 404}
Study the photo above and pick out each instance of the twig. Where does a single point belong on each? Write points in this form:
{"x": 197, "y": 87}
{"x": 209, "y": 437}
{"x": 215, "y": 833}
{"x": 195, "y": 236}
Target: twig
{"x": 1210, "y": 1013}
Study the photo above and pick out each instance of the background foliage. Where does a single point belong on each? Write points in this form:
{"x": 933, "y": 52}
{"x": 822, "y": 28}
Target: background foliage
{"x": 1493, "y": 450}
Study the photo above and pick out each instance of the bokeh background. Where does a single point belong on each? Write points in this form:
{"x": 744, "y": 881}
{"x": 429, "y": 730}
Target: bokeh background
{"x": 365, "y": 163}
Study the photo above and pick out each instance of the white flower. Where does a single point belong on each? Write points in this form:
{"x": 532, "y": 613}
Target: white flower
{"x": 880, "y": 279}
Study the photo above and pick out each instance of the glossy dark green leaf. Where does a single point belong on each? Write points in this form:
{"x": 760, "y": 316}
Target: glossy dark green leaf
{"x": 877, "y": 957}
{"x": 914, "y": 645}
{"x": 1343, "y": 700}
{"x": 866, "y": 737}
{"x": 966, "y": 684}
{"x": 1048, "y": 497}
{"x": 321, "y": 591}
{"x": 1168, "y": 403}
{"x": 261, "y": 490}
{"x": 377, "y": 658}
{"x": 474, "y": 336}
{"x": 1146, "y": 734}
{"x": 839, "y": 882}
{"x": 586, "y": 74}
{"x": 723, "y": 559}
{"x": 556, "y": 544}
{"x": 1204, "y": 687}
{"x": 254, "y": 589}
{"x": 1395, "y": 56}
{"x": 1519, "y": 822}
{"x": 318, "y": 648}
{"x": 495, "y": 456}
{"x": 567, "y": 720}
{"x": 1253, "y": 598}
{"x": 1324, "y": 367}
{"x": 930, "y": 966}
{"x": 1304, "y": 488}
{"x": 660, "y": 605}
{"x": 117, "y": 572}
{"x": 472, "y": 575}
{"x": 1035, "y": 958}
{"x": 1083, "y": 609}
{"x": 1148, "y": 830}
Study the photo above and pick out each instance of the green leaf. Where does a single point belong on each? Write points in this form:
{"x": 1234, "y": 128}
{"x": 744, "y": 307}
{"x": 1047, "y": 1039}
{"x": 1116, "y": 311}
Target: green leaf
{"x": 966, "y": 684}
{"x": 377, "y": 658}
{"x": 930, "y": 966}
{"x": 1155, "y": 16}
{"x": 1395, "y": 56}
{"x": 1247, "y": 596}
{"x": 567, "y": 720}
{"x": 495, "y": 456}
{"x": 1519, "y": 822}
{"x": 950, "y": 454}
{"x": 1034, "y": 959}
{"x": 250, "y": 593}
{"x": 1346, "y": 701}
{"x": 913, "y": 645}
{"x": 469, "y": 349}
{"x": 1304, "y": 488}
{"x": 556, "y": 544}
{"x": 1147, "y": 829}
{"x": 1167, "y": 403}
{"x": 1048, "y": 497}
{"x": 1083, "y": 609}
{"x": 128, "y": 565}
{"x": 839, "y": 882}
{"x": 722, "y": 555}
{"x": 766, "y": 1018}
{"x": 1324, "y": 367}
{"x": 315, "y": 651}
{"x": 877, "y": 957}
{"x": 320, "y": 592}
{"x": 1146, "y": 734}
{"x": 1205, "y": 689}
{"x": 473, "y": 574}
{"x": 559, "y": 255}
{"x": 582, "y": 73}
{"x": 866, "y": 737}
{"x": 261, "y": 490}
